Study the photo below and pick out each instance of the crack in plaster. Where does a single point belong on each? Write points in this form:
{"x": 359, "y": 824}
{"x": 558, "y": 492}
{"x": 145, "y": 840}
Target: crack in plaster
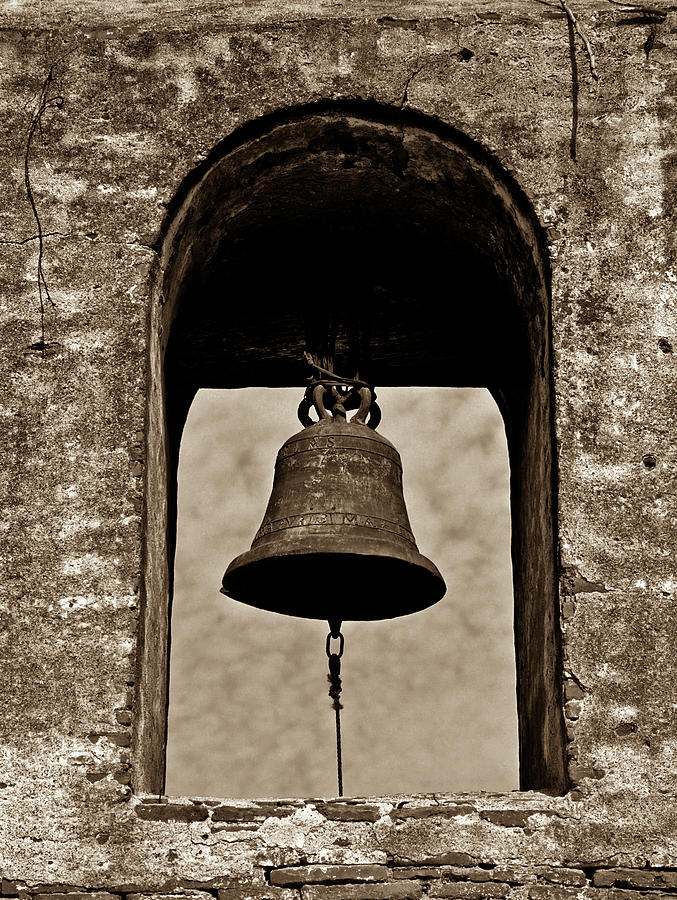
{"x": 405, "y": 92}
{"x": 45, "y": 102}
{"x": 36, "y": 237}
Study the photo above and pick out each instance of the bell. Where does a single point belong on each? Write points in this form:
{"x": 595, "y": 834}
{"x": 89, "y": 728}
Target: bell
{"x": 335, "y": 542}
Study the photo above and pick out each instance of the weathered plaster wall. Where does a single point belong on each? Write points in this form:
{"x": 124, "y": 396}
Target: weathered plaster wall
{"x": 106, "y": 111}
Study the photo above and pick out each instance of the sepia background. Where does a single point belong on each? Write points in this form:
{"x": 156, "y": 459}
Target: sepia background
{"x": 429, "y": 699}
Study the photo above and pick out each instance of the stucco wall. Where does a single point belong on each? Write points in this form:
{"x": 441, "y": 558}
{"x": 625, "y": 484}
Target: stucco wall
{"x": 133, "y": 98}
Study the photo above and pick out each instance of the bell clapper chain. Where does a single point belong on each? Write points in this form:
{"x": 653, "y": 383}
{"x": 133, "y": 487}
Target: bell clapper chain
{"x": 334, "y": 679}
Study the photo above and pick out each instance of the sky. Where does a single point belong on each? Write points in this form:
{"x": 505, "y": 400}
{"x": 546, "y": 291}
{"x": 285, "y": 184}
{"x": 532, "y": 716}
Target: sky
{"x": 429, "y": 698}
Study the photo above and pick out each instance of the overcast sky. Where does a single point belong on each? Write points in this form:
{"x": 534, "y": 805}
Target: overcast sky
{"x": 429, "y": 698}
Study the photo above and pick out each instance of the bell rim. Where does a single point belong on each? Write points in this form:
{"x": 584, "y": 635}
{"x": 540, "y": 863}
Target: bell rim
{"x": 407, "y": 559}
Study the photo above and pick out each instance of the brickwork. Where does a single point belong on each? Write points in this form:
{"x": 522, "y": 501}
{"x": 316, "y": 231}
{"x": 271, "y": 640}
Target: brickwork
{"x": 392, "y": 882}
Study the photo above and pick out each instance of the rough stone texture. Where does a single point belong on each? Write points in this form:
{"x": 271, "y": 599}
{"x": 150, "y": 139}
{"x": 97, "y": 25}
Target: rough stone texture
{"x": 507, "y": 875}
{"x": 471, "y": 891}
{"x": 451, "y": 858}
{"x": 634, "y": 878}
{"x": 257, "y": 892}
{"x": 512, "y": 818}
{"x": 344, "y": 812}
{"x": 448, "y": 811}
{"x": 562, "y": 876}
{"x": 550, "y": 892}
{"x": 251, "y": 813}
{"x": 138, "y": 98}
{"x": 185, "y": 895}
{"x": 76, "y": 895}
{"x": 168, "y": 812}
{"x": 313, "y": 874}
{"x": 402, "y": 890}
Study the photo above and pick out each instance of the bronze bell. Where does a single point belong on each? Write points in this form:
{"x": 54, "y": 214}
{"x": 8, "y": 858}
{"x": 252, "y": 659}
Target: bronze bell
{"x": 335, "y": 542}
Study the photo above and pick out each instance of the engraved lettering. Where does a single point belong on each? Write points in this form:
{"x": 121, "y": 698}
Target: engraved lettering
{"x": 334, "y": 518}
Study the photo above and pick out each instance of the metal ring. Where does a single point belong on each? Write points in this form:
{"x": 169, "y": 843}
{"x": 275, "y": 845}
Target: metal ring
{"x": 340, "y": 639}
{"x": 318, "y": 401}
{"x": 362, "y": 398}
{"x": 365, "y": 405}
{"x": 374, "y": 414}
{"x": 313, "y": 398}
{"x": 302, "y": 412}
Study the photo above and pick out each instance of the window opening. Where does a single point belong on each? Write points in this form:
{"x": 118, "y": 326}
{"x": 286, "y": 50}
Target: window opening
{"x": 429, "y": 699}
{"x": 343, "y": 208}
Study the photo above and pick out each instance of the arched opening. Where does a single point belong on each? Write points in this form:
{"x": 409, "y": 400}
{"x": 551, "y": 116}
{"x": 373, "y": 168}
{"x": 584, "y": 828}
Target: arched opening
{"x": 390, "y": 220}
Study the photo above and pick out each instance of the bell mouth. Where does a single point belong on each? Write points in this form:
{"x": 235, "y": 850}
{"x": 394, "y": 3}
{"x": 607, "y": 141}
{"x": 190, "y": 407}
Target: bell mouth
{"x": 327, "y": 583}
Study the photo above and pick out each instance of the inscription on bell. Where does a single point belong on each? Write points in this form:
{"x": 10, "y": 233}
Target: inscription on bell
{"x": 333, "y": 518}
{"x": 326, "y": 443}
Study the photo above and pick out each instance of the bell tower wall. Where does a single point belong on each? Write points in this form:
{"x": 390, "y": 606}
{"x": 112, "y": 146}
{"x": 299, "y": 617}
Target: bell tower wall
{"x": 534, "y": 145}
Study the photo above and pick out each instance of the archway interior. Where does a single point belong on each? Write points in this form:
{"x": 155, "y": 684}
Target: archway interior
{"x": 361, "y": 223}
{"x": 429, "y": 267}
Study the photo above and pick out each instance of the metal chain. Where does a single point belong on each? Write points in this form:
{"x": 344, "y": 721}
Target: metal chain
{"x": 334, "y": 679}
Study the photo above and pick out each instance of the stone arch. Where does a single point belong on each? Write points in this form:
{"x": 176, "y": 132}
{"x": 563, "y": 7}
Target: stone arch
{"x": 399, "y": 220}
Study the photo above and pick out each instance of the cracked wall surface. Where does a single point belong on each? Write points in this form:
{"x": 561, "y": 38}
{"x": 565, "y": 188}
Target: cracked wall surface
{"x": 107, "y": 111}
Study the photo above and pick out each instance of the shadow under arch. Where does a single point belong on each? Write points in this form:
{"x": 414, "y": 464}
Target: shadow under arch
{"x": 429, "y": 261}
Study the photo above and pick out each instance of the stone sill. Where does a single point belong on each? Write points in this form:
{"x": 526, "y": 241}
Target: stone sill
{"x": 512, "y": 809}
